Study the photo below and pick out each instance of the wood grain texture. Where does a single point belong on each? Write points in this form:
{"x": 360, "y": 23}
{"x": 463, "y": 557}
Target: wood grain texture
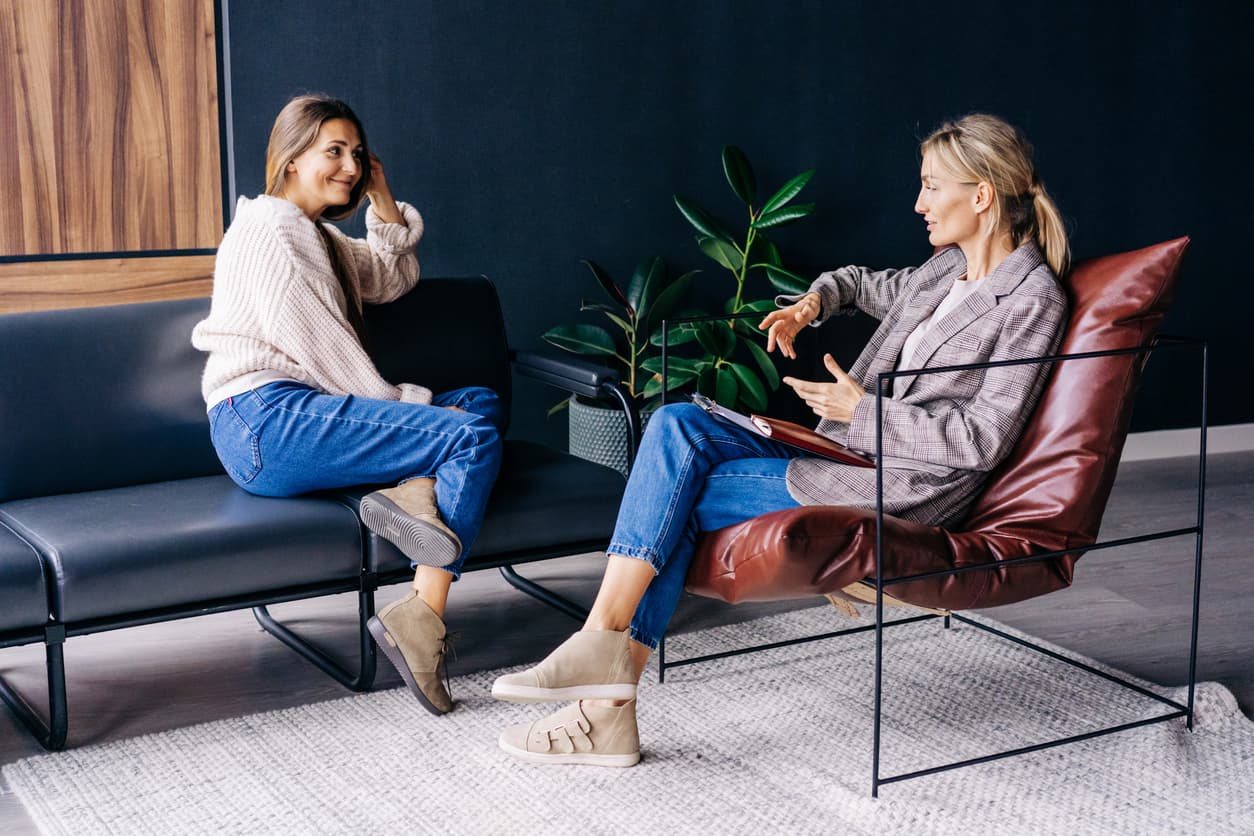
{"x": 109, "y": 121}
{"x": 42, "y": 285}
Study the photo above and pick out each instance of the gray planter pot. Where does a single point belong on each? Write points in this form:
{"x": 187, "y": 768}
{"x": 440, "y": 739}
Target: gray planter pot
{"x": 599, "y": 433}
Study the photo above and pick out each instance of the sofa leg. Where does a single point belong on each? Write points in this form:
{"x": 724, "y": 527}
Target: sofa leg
{"x": 363, "y": 677}
{"x": 51, "y": 735}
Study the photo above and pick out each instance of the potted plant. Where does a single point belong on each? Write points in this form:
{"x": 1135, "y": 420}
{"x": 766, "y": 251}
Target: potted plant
{"x": 598, "y": 432}
{"x": 723, "y": 371}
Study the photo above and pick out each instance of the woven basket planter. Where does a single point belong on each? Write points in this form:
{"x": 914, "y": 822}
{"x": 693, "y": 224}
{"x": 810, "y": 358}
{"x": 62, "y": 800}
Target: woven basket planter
{"x": 599, "y": 433}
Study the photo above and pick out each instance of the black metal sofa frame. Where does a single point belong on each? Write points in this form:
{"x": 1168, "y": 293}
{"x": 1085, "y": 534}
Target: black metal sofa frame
{"x": 115, "y": 512}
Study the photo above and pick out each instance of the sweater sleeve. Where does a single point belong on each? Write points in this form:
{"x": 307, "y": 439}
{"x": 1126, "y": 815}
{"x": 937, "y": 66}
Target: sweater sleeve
{"x": 309, "y": 327}
{"x": 385, "y": 264}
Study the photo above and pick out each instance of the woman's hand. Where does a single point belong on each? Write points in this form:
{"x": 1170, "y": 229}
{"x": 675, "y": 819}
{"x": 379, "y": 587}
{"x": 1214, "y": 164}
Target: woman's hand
{"x": 834, "y": 401}
{"x": 783, "y": 325}
{"x": 381, "y": 196}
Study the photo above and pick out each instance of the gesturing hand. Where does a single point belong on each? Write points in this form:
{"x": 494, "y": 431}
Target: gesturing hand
{"x": 834, "y": 401}
{"x": 784, "y": 324}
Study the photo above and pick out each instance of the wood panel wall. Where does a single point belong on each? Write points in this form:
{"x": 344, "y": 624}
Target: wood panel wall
{"x": 109, "y": 138}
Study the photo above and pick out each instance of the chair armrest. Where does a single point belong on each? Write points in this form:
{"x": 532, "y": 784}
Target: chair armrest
{"x": 570, "y": 373}
{"x": 583, "y": 378}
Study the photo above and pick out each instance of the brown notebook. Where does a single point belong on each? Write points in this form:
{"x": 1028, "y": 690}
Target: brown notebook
{"x": 786, "y": 432}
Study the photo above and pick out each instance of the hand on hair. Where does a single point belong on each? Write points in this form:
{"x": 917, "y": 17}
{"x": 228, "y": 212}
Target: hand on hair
{"x": 784, "y": 324}
{"x": 834, "y": 401}
{"x": 381, "y": 195}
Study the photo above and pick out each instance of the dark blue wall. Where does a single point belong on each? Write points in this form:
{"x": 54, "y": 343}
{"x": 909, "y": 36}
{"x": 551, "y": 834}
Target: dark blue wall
{"x": 531, "y": 135}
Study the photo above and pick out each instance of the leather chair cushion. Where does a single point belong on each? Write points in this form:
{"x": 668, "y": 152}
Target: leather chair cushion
{"x": 544, "y": 499}
{"x": 173, "y": 544}
{"x": 1049, "y": 494}
{"x": 23, "y": 596}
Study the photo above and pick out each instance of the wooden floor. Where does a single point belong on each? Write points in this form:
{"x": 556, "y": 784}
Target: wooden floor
{"x": 1129, "y": 607}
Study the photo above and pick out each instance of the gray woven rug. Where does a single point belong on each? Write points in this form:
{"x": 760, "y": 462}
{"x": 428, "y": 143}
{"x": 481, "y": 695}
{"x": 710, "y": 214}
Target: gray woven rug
{"x": 774, "y": 742}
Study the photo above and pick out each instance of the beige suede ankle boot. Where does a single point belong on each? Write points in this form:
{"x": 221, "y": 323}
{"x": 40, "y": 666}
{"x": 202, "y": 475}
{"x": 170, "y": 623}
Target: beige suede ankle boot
{"x": 407, "y": 517}
{"x": 412, "y": 637}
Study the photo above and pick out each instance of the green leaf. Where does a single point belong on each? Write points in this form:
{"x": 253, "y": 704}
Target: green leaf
{"x": 784, "y": 281}
{"x": 653, "y": 365}
{"x": 643, "y": 281}
{"x": 784, "y": 215}
{"x": 627, "y": 327}
{"x": 702, "y": 220}
{"x": 717, "y": 338}
{"x": 764, "y": 250}
{"x": 674, "y": 380}
{"x": 752, "y": 392}
{"x": 666, "y": 302}
{"x": 759, "y": 306}
{"x": 726, "y": 389}
{"x": 679, "y": 334}
{"x": 557, "y": 407}
{"x": 610, "y": 287}
{"x": 788, "y": 191}
{"x": 765, "y": 363}
{"x": 721, "y": 251}
{"x": 739, "y": 174}
{"x": 581, "y": 339}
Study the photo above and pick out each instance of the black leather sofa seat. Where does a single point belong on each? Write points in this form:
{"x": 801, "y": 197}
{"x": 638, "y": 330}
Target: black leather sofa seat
{"x": 168, "y": 544}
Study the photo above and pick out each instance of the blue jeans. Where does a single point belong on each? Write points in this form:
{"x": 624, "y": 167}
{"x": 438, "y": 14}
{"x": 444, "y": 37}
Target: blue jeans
{"x": 286, "y": 438}
{"x": 694, "y": 473}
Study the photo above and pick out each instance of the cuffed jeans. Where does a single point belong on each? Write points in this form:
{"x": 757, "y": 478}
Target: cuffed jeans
{"x": 693, "y": 473}
{"x": 285, "y": 438}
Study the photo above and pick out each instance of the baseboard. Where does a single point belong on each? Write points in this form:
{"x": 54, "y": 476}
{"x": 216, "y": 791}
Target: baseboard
{"x": 1165, "y": 444}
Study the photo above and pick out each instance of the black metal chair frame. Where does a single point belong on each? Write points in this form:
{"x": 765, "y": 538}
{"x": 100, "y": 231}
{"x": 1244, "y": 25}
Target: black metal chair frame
{"x": 880, "y": 582}
{"x": 572, "y": 375}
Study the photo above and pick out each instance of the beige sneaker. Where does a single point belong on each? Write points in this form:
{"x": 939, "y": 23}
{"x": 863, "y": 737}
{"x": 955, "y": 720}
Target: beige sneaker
{"x": 588, "y": 734}
{"x": 413, "y": 638}
{"x": 590, "y": 665}
{"x": 407, "y": 517}
{"x": 863, "y": 592}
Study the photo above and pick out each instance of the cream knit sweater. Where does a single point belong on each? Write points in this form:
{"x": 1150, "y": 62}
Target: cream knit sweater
{"x": 278, "y": 312}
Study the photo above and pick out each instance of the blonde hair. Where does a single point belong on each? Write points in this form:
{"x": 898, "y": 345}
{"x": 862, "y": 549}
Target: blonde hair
{"x": 981, "y": 148}
{"x": 295, "y": 129}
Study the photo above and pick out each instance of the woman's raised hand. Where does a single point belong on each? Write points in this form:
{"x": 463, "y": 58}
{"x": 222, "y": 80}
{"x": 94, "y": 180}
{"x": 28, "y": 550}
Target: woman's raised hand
{"x": 834, "y": 401}
{"x": 783, "y": 325}
{"x": 380, "y": 194}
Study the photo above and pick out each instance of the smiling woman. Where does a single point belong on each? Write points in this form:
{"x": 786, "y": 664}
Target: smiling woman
{"x": 295, "y": 402}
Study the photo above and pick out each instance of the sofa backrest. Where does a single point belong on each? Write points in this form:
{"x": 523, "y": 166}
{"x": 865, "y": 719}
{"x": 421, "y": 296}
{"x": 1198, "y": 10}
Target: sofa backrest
{"x": 95, "y": 398}
{"x": 101, "y": 397}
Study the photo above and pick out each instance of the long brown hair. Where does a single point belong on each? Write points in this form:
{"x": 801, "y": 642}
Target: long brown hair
{"x": 983, "y": 148}
{"x": 295, "y": 129}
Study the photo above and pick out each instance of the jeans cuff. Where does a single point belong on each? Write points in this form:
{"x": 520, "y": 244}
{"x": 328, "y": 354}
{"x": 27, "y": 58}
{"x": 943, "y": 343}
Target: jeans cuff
{"x": 644, "y": 553}
{"x": 650, "y": 642}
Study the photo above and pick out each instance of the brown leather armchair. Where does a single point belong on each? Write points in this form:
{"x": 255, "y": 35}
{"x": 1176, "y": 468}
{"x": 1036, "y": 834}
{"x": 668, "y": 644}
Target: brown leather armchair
{"x": 1047, "y": 497}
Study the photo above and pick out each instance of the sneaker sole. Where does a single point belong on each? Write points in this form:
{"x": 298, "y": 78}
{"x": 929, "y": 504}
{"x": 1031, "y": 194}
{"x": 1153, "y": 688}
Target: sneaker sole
{"x": 393, "y": 653}
{"x": 420, "y": 541}
{"x": 580, "y": 758}
{"x": 534, "y": 693}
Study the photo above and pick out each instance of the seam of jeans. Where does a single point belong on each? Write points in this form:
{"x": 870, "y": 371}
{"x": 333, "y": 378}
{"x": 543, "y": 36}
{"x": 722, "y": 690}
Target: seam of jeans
{"x": 647, "y": 641}
{"x": 645, "y": 553}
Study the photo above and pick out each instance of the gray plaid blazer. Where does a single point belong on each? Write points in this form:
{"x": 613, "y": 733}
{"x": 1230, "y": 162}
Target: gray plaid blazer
{"x": 943, "y": 433}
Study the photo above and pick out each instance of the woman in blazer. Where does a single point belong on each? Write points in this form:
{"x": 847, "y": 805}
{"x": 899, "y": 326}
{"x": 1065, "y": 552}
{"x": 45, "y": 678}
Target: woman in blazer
{"x": 991, "y": 293}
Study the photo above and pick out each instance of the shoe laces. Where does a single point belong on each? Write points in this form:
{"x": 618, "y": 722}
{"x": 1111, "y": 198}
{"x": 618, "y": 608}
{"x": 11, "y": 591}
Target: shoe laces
{"x": 448, "y": 645}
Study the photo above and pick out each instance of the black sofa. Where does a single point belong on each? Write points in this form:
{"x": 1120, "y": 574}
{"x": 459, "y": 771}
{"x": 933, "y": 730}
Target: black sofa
{"x": 114, "y": 509}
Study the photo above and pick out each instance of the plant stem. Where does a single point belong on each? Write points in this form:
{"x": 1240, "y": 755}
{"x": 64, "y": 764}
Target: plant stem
{"x": 744, "y": 263}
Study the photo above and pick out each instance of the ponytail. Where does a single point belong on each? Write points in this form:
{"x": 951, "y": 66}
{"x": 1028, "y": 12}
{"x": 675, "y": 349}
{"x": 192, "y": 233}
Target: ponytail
{"x": 1051, "y": 234}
